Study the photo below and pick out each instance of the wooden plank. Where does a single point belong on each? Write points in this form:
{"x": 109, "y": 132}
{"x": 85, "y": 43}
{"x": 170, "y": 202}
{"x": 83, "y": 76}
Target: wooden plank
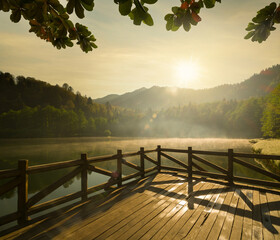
{"x": 150, "y": 169}
{"x": 131, "y": 176}
{"x": 210, "y": 153}
{"x": 130, "y": 164}
{"x": 174, "y": 150}
{"x": 174, "y": 169}
{"x": 257, "y": 169}
{"x": 131, "y": 154}
{"x": 274, "y": 211}
{"x": 9, "y": 218}
{"x": 150, "y": 160}
{"x": 258, "y": 156}
{"x": 210, "y": 174}
{"x": 99, "y": 170}
{"x": 84, "y": 177}
{"x": 53, "y": 166}
{"x": 9, "y": 173}
{"x": 215, "y": 220}
{"x": 146, "y": 214}
{"x": 247, "y": 220}
{"x": 102, "y": 158}
{"x": 119, "y": 167}
{"x": 230, "y": 166}
{"x": 256, "y": 182}
{"x": 198, "y": 167}
{"x": 53, "y": 203}
{"x": 107, "y": 206}
{"x": 210, "y": 164}
{"x": 159, "y": 157}
{"x": 9, "y": 186}
{"x": 22, "y": 191}
{"x": 257, "y": 219}
{"x": 184, "y": 214}
{"x": 201, "y": 215}
{"x": 40, "y": 195}
{"x": 106, "y": 222}
{"x": 236, "y": 232}
{"x": 167, "y": 222}
{"x": 175, "y": 160}
{"x": 268, "y": 229}
{"x": 228, "y": 222}
{"x": 160, "y": 219}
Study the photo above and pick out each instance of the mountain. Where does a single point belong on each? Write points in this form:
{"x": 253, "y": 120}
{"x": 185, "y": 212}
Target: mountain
{"x": 163, "y": 97}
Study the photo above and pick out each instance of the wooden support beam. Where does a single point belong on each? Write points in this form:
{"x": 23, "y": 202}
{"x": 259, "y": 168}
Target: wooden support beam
{"x": 175, "y": 160}
{"x": 84, "y": 176}
{"x": 257, "y": 169}
{"x": 119, "y": 167}
{"x": 99, "y": 170}
{"x": 9, "y": 185}
{"x": 40, "y": 195}
{"x": 142, "y": 163}
{"x": 230, "y": 166}
{"x": 174, "y": 169}
{"x": 210, "y": 164}
{"x": 190, "y": 170}
{"x": 151, "y": 160}
{"x": 159, "y": 157}
{"x": 23, "y": 191}
{"x": 130, "y": 164}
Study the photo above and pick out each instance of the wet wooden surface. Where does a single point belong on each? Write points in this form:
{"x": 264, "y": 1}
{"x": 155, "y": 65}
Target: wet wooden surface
{"x": 159, "y": 207}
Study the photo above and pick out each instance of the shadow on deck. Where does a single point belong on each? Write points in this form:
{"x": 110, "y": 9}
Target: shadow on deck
{"x": 159, "y": 207}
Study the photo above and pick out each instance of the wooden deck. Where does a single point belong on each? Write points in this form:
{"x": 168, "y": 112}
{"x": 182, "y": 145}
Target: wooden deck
{"x": 159, "y": 207}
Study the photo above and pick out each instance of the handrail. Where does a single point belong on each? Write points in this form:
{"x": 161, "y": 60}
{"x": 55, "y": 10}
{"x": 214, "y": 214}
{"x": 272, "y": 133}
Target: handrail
{"x": 28, "y": 207}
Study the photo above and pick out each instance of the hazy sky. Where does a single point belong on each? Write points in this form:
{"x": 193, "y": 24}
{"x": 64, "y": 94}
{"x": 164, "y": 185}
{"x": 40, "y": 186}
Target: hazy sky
{"x": 129, "y": 57}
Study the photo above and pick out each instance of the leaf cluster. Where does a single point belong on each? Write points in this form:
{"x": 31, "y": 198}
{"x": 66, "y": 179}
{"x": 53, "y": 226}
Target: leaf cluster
{"x": 49, "y": 20}
{"x": 263, "y": 23}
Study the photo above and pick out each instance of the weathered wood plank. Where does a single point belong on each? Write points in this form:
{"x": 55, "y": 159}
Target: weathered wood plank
{"x": 257, "y": 169}
{"x": 99, "y": 170}
{"x": 202, "y": 160}
{"x": 237, "y": 226}
{"x": 23, "y": 191}
{"x": 9, "y": 185}
{"x": 274, "y": 211}
{"x": 247, "y": 220}
{"x": 130, "y": 164}
{"x": 174, "y": 150}
{"x": 9, "y": 173}
{"x": 210, "y": 174}
{"x": 185, "y": 213}
{"x": 53, "y": 166}
{"x": 227, "y": 226}
{"x": 150, "y": 159}
{"x": 175, "y": 160}
{"x": 40, "y": 195}
{"x": 210, "y": 153}
{"x": 257, "y": 219}
{"x": 256, "y": 182}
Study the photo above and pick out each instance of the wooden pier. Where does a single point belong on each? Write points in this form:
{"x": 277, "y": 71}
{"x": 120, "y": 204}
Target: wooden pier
{"x": 186, "y": 202}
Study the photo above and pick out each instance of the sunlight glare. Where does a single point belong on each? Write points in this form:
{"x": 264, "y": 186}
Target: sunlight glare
{"x": 187, "y": 71}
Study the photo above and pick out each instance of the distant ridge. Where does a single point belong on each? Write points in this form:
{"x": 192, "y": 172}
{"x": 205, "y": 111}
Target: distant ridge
{"x": 163, "y": 97}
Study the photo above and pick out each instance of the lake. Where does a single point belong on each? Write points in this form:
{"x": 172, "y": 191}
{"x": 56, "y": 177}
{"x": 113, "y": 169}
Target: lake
{"x": 40, "y": 151}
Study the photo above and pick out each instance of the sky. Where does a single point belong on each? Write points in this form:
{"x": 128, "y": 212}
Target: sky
{"x": 129, "y": 57}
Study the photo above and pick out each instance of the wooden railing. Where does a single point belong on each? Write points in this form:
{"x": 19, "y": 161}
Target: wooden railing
{"x": 27, "y": 207}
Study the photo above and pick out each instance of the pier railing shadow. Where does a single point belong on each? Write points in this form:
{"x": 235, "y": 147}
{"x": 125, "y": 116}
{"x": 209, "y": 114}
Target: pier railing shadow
{"x": 193, "y": 167}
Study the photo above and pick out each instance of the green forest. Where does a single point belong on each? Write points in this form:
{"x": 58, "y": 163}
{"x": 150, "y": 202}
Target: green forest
{"x": 32, "y": 108}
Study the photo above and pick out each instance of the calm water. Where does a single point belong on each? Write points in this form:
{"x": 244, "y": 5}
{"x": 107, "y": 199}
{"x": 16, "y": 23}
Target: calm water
{"x": 40, "y": 151}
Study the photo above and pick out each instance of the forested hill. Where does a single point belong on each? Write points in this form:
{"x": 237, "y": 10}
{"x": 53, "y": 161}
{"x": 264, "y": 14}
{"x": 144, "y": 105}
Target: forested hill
{"x": 163, "y": 97}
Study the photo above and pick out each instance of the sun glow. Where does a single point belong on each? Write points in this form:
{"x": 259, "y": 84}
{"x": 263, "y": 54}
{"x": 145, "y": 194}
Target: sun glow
{"x": 187, "y": 72}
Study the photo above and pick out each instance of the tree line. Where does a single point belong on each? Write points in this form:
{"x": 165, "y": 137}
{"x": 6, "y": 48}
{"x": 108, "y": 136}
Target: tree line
{"x": 32, "y": 108}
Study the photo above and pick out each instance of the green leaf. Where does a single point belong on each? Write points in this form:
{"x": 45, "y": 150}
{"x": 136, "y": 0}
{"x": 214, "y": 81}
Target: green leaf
{"x": 125, "y": 7}
{"x": 149, "y": 1}
{"x": 260, "y": 18}
{"x": 250, "y": 27}
{"x": 209, "y": 3}
{"x": 15, "y": 16}
{"x": 175, "y": 10}
{"x": 79, "y": 9}
{"x": 88, "y": 7}
{"x": 70, "y": 6}
{"x": 169, "y": 25}
{"x": 249, "y": 35}
{"x": 149, "y": 20}
{"x": 168, "y": 17}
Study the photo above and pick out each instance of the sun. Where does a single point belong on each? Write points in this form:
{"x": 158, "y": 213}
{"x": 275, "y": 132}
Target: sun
{"x": 187, "y": 72}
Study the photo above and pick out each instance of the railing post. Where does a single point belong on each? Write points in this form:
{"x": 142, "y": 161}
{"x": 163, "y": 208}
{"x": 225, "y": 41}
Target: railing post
{"x": 23, "y": 191}
{"x": 230, "y": 166}
{"x": 142, "y": 166}
{"x": 159, "y": 157}
{"x": 84, "y": 176}
{"x": 190, "y": 186}
{"x": 119, "y": 167}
